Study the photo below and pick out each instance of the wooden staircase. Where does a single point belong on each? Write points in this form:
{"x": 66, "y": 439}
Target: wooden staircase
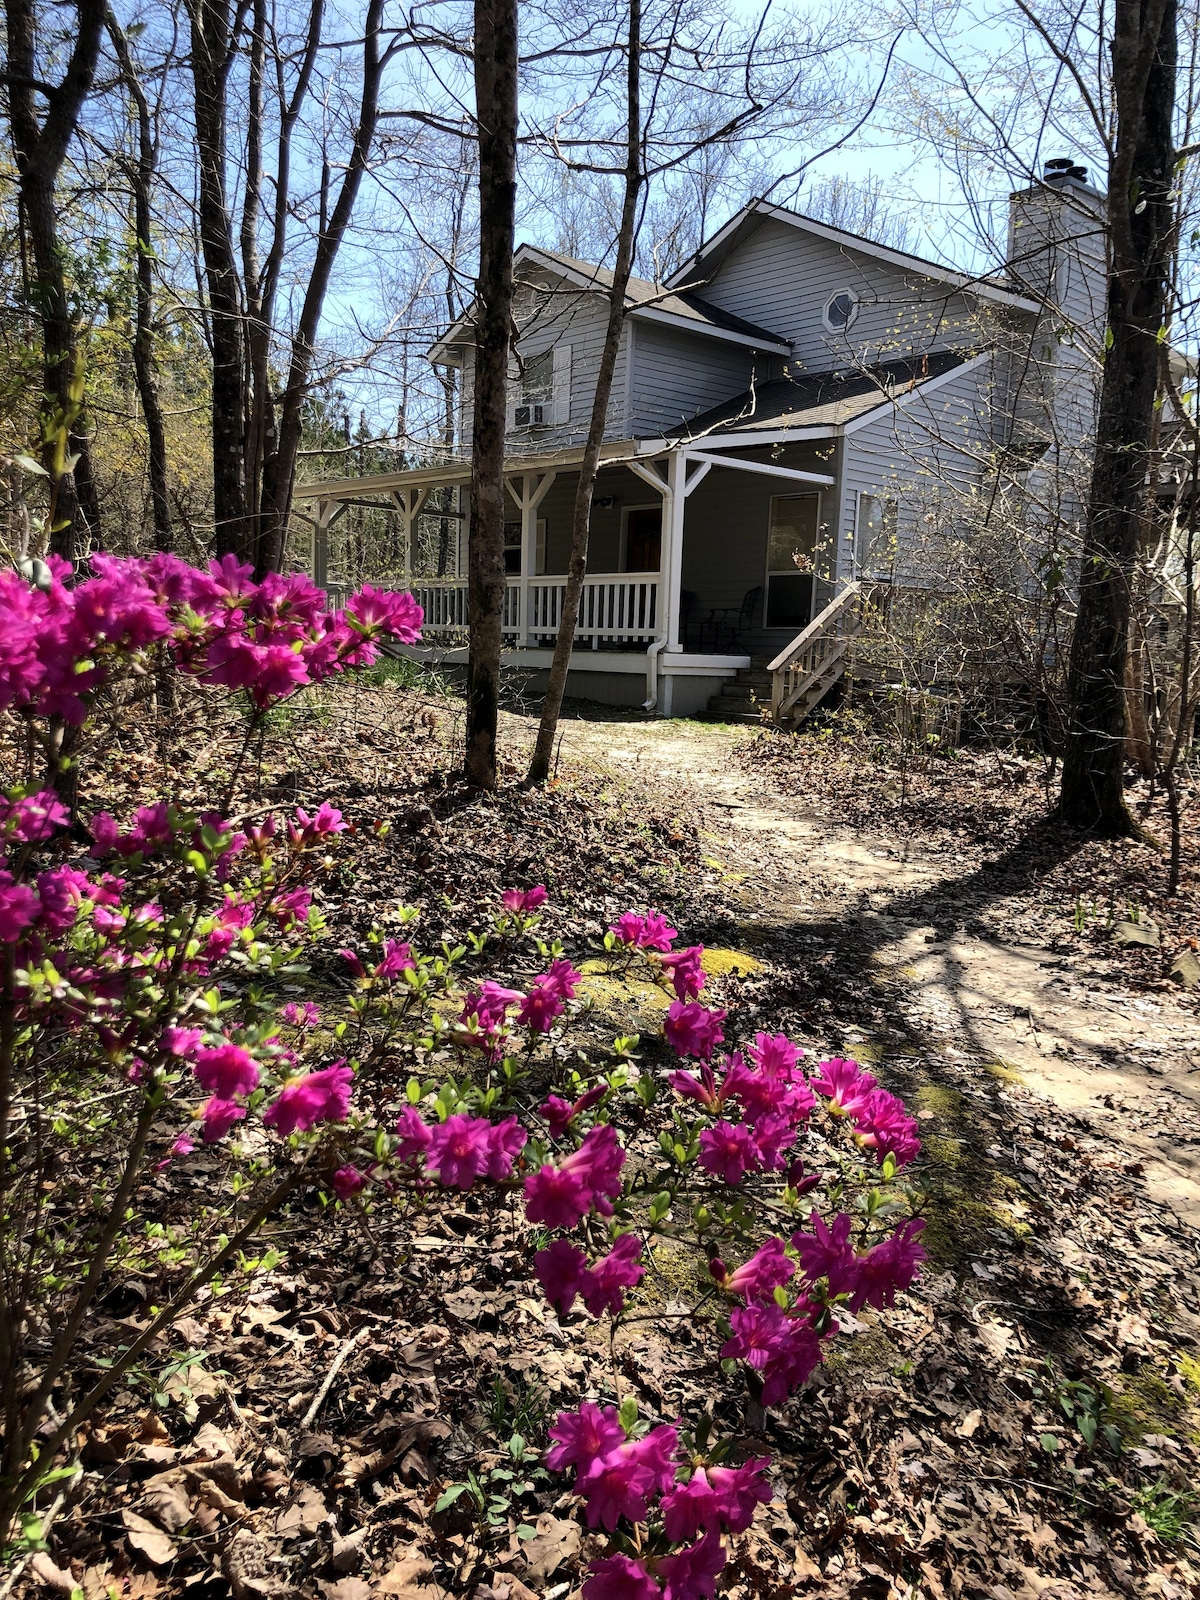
{"x": 745, "y": 697}
{"x": 803, "y": 674}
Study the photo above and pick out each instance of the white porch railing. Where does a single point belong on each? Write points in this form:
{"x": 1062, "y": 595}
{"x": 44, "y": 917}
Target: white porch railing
{"x": 614, "y": 609}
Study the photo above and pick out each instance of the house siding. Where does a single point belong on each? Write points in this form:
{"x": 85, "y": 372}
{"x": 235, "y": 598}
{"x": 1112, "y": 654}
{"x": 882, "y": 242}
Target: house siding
{"x": 937, "y": 448}
{"x": 676, "y": 375}
{"x": 781, "y": 278}
{"x": 579, "y": 318}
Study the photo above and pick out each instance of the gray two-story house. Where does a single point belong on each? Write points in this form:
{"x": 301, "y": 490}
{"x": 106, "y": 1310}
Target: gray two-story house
{"x": 786, "y": 409}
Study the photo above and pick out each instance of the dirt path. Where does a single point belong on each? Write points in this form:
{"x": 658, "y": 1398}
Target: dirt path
{"x": 1126, "y": 1064}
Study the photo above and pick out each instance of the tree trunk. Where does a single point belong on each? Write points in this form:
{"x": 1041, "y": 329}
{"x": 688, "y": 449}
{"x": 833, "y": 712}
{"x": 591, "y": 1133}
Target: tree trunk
{"x": 496, "y": 119}
{"x": 40, "y": 149}
{"x": 539, "y": 766}
{"x": 211, "y": 50}
{"x": 1140, "y": 223}
{"x": 145, "y": 365}
{"x": 279, "y": 468}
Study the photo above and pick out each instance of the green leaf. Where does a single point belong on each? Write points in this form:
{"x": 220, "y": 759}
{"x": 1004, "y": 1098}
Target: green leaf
{"x": 1087, "y": 1427}
{"x": 628, "y": 1414}
{"x": 1049, "y": 1443}
{"x": 526, "y": 1532}
{"x": 449, "y": 1496}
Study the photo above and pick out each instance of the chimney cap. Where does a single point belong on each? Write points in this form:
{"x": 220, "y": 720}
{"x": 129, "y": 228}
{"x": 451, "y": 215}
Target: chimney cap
{"x": 1064, "y": 167}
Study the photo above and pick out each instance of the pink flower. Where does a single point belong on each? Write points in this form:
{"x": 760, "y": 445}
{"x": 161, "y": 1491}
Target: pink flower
{"x": 728, "y": 1151}
{"x": 19, "y": 907}
{"x": 692, "y": 1574}
{"x": 303, "y": 1102}
{"x": 890, "y": 1265}
{"x": 884, "y": 1125}
{"x": 562, "y": 978}
{"x": 520, "y": 902}
{"x": 347, "y": 1181}
{"x": 292, "y": 907}
{"x": 655, "y": 1454}
{"x": 693, "y": 1030}
{"x": 598, "y": 1162}
{"x": 616, "y": 1486}
{"x": 61, "y": 891}
{"x": 307, "y": 831}
{"x": 105, "y": 834}
{"x": 558, "y": 1113}
{"x": 767, "y": 1270}
{"x": 687, "y": 974}
{"x": 556, "y": 1198}
{"x": 352, "y": 961}
{"x": 183, "y": 1146}
{"x": 561, "y": 1269}
{"x": 785, "y": 1350}
{"x": 303, "y": 1015}
{"x": 397, "y": 958}
{"x": 506, "y": 1140}
{"x": 459, "y": 1150}
{"x": 645, "y": 933}
{"x": 844, "y": 1084}
{"x": 773, "y": 1135}
{"x": 226, "y": 1071}
{"x": 539, "y": 1008}
{"x": 583, "y": 1436}
{"x": 776, "y": 1055}
{"x": 217, "y": 1117}
{"x": 377, "y": 610}
{"x": 180, "y": 1041}
{"x": 32, "y": 819}
{"x": 619, "y": 1578}
{"x": 827, "y": 1253}
{"x": 603, "y": 1286}
{"x": 414, "y": 1134}
{"x": 704, "y": 1088}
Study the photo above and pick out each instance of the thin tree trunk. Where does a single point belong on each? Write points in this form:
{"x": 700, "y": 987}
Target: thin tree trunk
{"x": 145, "y": 365}
{"x": 539, "y": 766}
{"x": 40, "y": 148}
{"x": 496, "y": 117}
{"x": 1140, "y": 222}
{"x": 211, "y": 51}
{"x": 279, "y": 469}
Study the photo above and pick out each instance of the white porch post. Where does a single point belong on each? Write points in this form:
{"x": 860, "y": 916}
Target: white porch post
{"x": 325, "y": 513}
{"x": 528, "y": 549}
{"x": 674, "y": 509}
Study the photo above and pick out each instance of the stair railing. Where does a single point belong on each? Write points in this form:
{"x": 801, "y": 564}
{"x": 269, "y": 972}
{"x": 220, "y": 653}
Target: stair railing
{"x": 815, "y": 659}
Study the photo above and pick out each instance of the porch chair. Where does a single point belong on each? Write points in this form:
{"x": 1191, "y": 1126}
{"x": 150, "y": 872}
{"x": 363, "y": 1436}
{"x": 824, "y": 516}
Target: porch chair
{"x": 733, "y": 620}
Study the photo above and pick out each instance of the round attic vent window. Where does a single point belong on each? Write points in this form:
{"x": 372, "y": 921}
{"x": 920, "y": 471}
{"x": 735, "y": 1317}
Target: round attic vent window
{"x": 840, "y": 310}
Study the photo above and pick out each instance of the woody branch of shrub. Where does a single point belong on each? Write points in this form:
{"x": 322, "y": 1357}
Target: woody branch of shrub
{"x": 141, "y": 1020}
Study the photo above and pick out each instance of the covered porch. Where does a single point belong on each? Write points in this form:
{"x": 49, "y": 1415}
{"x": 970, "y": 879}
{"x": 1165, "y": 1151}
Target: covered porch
{"x": 683, "y": 587}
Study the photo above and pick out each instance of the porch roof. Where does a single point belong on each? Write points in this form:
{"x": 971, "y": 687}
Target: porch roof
{"x": 818, "y": 400}
{"x": 453, "y": 473}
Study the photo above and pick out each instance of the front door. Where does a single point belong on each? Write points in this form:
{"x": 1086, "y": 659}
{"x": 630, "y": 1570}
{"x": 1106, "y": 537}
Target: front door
{"x": 643, "y": 539}
{"x": 791, "y": 558}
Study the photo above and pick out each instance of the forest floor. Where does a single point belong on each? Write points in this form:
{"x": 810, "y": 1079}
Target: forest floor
{"x": 933, "y": 924}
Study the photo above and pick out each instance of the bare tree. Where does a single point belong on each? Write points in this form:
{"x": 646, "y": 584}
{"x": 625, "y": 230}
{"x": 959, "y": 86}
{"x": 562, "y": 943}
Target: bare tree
{"x": 495, "y": 58}
{"x": 40, "y": 144}
{"x": 1140, "y": 218}
{"x": 539, "y": 766}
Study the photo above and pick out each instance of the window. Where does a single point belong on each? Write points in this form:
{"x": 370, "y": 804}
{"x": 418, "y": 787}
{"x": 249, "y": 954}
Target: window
{"x": 534, "y": 405}
{"x": 840, "y": 310}
{"x": 643, "y": 538}
{"x": 791, "y": 557}
{"x": 876, "y": 528}
{"x": 512, "y": 548}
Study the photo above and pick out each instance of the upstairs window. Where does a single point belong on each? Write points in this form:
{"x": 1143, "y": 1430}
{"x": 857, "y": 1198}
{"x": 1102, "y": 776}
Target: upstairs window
{"x": 840, "y": 310}
{"x": 535, "y": 402}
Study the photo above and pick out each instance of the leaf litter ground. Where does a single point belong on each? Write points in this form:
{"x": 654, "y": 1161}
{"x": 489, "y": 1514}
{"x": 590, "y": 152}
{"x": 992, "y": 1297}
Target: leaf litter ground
{"x": 943, "y": 1449}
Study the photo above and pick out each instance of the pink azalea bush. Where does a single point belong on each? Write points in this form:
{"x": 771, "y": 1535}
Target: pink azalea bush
{"x": 149, "y": 954}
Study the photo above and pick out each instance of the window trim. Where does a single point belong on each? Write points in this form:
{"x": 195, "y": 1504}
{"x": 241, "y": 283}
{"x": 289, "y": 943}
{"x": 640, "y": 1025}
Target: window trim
{"x": 623, "y": 541}
{"x": 833, "y": 327}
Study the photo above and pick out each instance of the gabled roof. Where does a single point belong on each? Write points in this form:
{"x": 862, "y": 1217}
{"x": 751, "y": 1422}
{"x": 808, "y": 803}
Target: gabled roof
{"x": 821, "y": 400}
{"x": 704, "y": 264}
{"x": 645, "y": 301}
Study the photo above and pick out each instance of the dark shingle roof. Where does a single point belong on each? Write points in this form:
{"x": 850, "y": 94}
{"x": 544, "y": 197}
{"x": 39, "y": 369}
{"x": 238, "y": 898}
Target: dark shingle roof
{"x": 818, "y": 399}
{"x": 654, "y": 297}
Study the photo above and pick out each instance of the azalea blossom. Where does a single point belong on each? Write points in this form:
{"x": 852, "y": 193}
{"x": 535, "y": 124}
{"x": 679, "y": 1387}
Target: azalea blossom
{"x": 414, "y": 1134}
{"x": 583, "y": 1436}
{"x": 33, "y": 818}
{"x": 692, "y": 1030}
{"x": 728, "y": 1151}
{"x": 226, "y": 1070}
{"x": 348, "y": 1181}
{"x": 716, "y": 1498}
{"x": 561, "y": 1269}
{"x": 520, "y": 902}
{"x": 619, "y": 1578}
{"x": 888, "y": 1266}
{"x": 217, "y": 1117}
{"x": 644, "y": 933}
{"x": 844, "y": 1084}
{"x": 603, "y": 1285}
{"x": 767, "y": 1270}
{"x": 692, "y": 1574}
{"x": 397, "y": 958}
{"x": 685, "y": 971}
{"x": 303, "y": 1102}
{"x": 301, "y": 1014}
